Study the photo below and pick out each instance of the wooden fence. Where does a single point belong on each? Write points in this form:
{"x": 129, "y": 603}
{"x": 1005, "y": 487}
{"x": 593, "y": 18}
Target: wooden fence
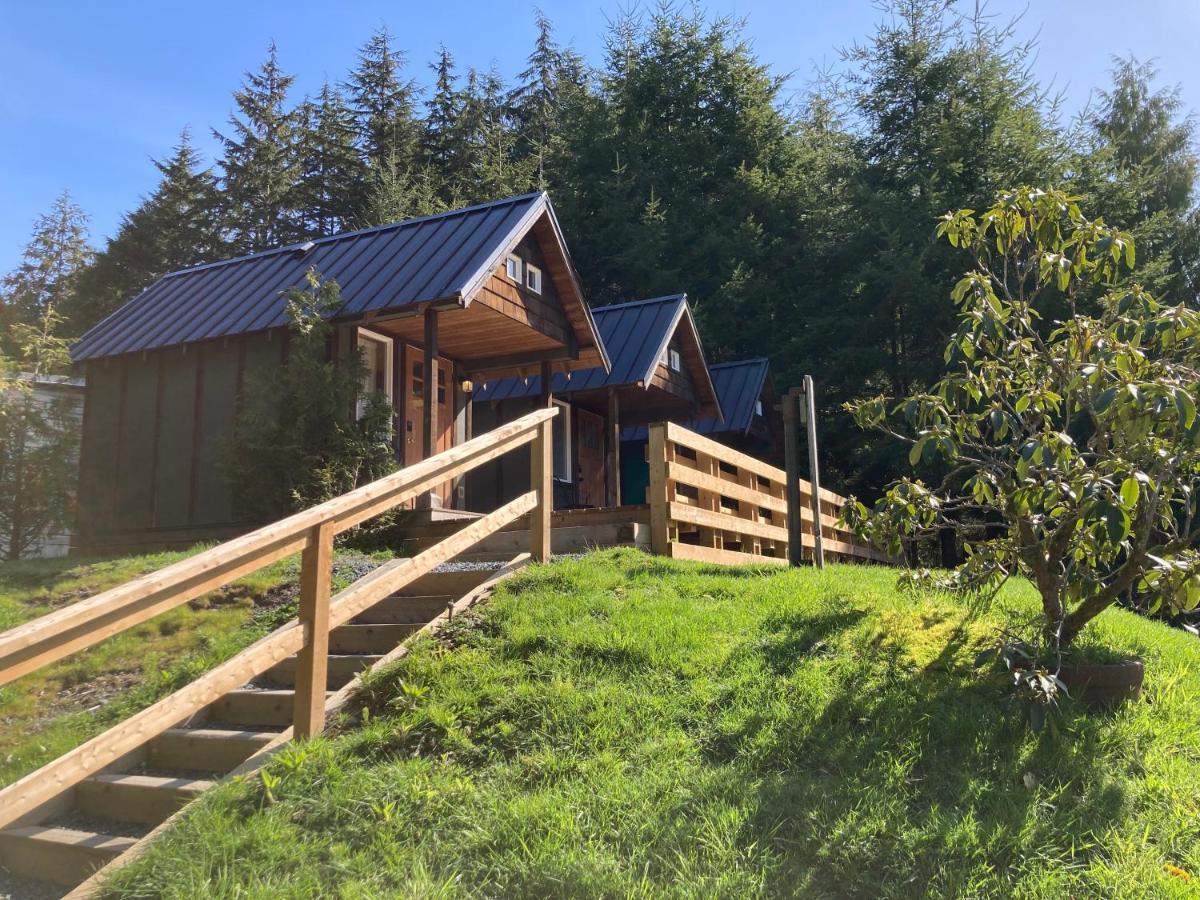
{"x": 709, "y": 502}
{"x": 38, "y": 643}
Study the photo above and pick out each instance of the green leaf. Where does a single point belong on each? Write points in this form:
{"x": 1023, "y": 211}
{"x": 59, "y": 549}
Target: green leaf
{"x": 1130, "y": 491}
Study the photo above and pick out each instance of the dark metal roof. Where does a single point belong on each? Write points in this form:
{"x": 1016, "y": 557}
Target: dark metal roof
{"x": 634, "y": 334}
{"x": 431, "y": 258}
{"x": 739, "y": 386}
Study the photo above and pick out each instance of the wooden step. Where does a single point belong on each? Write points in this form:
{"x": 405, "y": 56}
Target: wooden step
{"x": 399, "y": 610}
{"x": 341, "y": 668}
{"x": 453, "y": 583}
{"x": 59, "y": 855}
{"x": 136, "y": 798}
{"x": 206, "y": 749}
{"x": 369, "y": 638}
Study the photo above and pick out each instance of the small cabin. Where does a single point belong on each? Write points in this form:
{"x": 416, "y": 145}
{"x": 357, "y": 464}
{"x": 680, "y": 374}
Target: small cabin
{"x": 434, "y": 304}
{"x": 658, "y": 372}
{"x": 748, "y": 423}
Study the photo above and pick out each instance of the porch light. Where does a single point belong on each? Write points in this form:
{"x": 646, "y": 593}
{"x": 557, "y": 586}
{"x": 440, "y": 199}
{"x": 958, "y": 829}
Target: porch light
{"x": 467, "y": 385}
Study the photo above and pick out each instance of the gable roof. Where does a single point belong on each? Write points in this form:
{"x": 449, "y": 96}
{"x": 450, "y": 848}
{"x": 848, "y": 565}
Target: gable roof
{"x": 634, "y": 334}
{"x": 433, "y": 258}
{"x": 739, "y": 386}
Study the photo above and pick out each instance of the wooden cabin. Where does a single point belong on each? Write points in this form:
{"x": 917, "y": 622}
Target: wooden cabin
{"x": 435, "y": 304}
{"x": 748, "y": 423}
{"x": 658, "y": 373}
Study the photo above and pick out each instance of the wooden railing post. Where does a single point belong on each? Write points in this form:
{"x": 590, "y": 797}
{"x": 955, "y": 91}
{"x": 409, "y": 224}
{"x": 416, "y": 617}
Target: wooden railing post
{"x": 809, "y": 414}
{"x": 313, "y": 660}
{"x": 791, "y": 456}
{"x": 660, "y": 530}
{"x": 541, "y": 479}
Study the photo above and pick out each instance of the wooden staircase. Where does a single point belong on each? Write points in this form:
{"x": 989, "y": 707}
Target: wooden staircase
{"x": 108, "y": 814}
{"x": 98, "y": 803}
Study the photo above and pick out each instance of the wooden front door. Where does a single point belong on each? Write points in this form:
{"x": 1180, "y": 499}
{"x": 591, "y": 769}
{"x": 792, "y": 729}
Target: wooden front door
{"x": 591, "y": 458}
{"x": 413, "y": 423}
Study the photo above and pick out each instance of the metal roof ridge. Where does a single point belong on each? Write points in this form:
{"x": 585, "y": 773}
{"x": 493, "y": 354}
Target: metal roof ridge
{"x": 629, "y": 304}
{"x": 358, "y": 232}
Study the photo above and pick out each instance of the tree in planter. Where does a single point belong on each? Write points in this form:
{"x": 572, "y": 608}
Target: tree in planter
{"x": 1078, "y": 437}
{"x": 39, "y": 440}
{"x": 295, "y": 441}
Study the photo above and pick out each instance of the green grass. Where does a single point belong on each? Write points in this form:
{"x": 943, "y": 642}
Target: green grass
{"x": 48, "y": 712}
{"x": 628, "y": 726}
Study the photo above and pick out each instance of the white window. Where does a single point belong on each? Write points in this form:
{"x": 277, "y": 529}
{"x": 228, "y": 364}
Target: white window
{"x": 758, "y": 407}
{"x": 562, "y": 443}
{"x": 512, "y": 267}
{"x": 533, "y": 278}
{"x": 376, "y": 352}
{"x": 676, "y": 361}
{"x": 666, "y": 357}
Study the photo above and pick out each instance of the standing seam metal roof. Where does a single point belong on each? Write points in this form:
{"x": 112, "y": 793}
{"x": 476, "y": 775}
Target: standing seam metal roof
{"x": 431, "y": 258}
{"x": 634, "y": 334}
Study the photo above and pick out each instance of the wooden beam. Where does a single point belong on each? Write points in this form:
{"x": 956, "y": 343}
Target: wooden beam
{"x": 791, "y": 453}
{"x": 541, "y": 480}
{"x": 547, "y": 394}
{"x": 809, "y": 414}
{"x": 313, "y": 662}
{"x": 614, "y": 449}
{"x": 514, "y": 360}
{"x": 660, "y": 527}
{"x": 430, "y": 396}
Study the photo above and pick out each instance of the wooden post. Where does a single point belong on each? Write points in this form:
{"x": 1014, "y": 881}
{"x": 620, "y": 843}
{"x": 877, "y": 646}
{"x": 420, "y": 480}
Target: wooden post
{"x": 313, "y": 658}
{"x": 546, "y": 379}
{"x": 814, "y": 476}
{"x": 429, "y": 396}
{"x": 541, "y": 479}
{"x": 660, "y": 531}
{"x": 791, "y": 457}
{"x": 614, "y": 449}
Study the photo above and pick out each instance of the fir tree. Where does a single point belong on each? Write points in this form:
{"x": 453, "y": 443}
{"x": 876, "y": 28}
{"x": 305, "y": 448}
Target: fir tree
{"x": 332, "y": 175}
{"x": 48, "y": 274}
{"x": 1139, "y": 164}
{"x": 443, "y": 145}
{"x": 553, "y": 78}
{"x": 178, "y": 225}
{"x": 382, "y": 101}
{"x": 260, "y": 162}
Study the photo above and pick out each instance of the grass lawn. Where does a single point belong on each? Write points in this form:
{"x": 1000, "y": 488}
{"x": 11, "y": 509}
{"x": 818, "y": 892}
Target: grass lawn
{"x": 47, "y": 712}
{"x": 628, "y": 726}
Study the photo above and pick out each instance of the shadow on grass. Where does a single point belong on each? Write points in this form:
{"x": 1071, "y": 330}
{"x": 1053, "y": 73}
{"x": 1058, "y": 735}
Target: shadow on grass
{"x": 903, "y": 773}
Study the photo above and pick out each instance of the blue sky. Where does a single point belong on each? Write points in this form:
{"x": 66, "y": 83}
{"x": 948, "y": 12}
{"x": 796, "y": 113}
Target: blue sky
{"x": 90, "y": 92}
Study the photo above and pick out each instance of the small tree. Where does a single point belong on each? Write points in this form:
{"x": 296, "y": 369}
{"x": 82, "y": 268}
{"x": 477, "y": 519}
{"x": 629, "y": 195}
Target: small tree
{"x": 295, "y": 440}
{"x": 39, "y": 439}
{"x": 1077, "y": 439}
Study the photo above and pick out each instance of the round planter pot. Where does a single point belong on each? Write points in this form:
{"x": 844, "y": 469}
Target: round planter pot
{"x": 1104, "y": 684}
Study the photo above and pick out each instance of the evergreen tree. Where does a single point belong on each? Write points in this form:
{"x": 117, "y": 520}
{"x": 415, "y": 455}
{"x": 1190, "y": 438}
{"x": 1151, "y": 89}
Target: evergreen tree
{"x": 47, "y": 276}
{"x": 1139, "y": 164}
{"x": 488, "y": 143}
{"x": 382, "y": 101}
{"x": 332, "y": 174}
{"x": 177, "y": 226}
{"x": 553, "y": 78}
{"x": 260, "y": 162}
{"x": 444, "y": 143}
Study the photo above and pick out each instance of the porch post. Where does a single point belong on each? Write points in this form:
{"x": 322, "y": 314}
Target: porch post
{"x": 614, "y": 449}
{"x": 430, "y": 397}
{"x": 546, "y": 395}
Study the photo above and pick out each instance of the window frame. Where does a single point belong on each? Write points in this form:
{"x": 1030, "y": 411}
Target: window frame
{"x": 389, "y": 370}
{"x": 674, "y": 360}
{"x": 533, "y": 273}
{"x": 565, "y": 415}
{"x": 511, "y": 262}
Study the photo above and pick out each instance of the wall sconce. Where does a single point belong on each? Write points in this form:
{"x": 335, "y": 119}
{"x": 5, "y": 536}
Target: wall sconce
{"x": 467, "y": 385}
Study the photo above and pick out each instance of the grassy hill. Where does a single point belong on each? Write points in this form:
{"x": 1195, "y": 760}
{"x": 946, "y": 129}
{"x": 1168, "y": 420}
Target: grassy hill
{"x": 627, "y": 726}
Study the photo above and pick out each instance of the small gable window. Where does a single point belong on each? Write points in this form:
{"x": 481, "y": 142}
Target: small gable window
{"x": 512, "y": 268}
{"x": 533, "y": 278}
{"x": 758, "y": 410}
{"x": 676, "y": 362}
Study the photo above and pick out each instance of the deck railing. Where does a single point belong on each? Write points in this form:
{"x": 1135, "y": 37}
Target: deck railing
{"x": 35, "y": 644}
{"x": 712, "y": 503}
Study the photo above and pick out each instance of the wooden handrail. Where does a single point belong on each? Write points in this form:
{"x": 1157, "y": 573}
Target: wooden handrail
{"x": 58, "y": 634}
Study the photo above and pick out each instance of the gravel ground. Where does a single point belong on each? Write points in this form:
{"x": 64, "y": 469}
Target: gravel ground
{"x": 13, "y": 888}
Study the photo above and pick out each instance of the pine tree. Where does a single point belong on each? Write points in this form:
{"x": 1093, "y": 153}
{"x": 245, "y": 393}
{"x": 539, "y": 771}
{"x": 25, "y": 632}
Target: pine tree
{"x": 48, "y": 274}
{"x": 178, "y": 225}
{"x": 332, "y": 174}
{"x": 260, "y": 162}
